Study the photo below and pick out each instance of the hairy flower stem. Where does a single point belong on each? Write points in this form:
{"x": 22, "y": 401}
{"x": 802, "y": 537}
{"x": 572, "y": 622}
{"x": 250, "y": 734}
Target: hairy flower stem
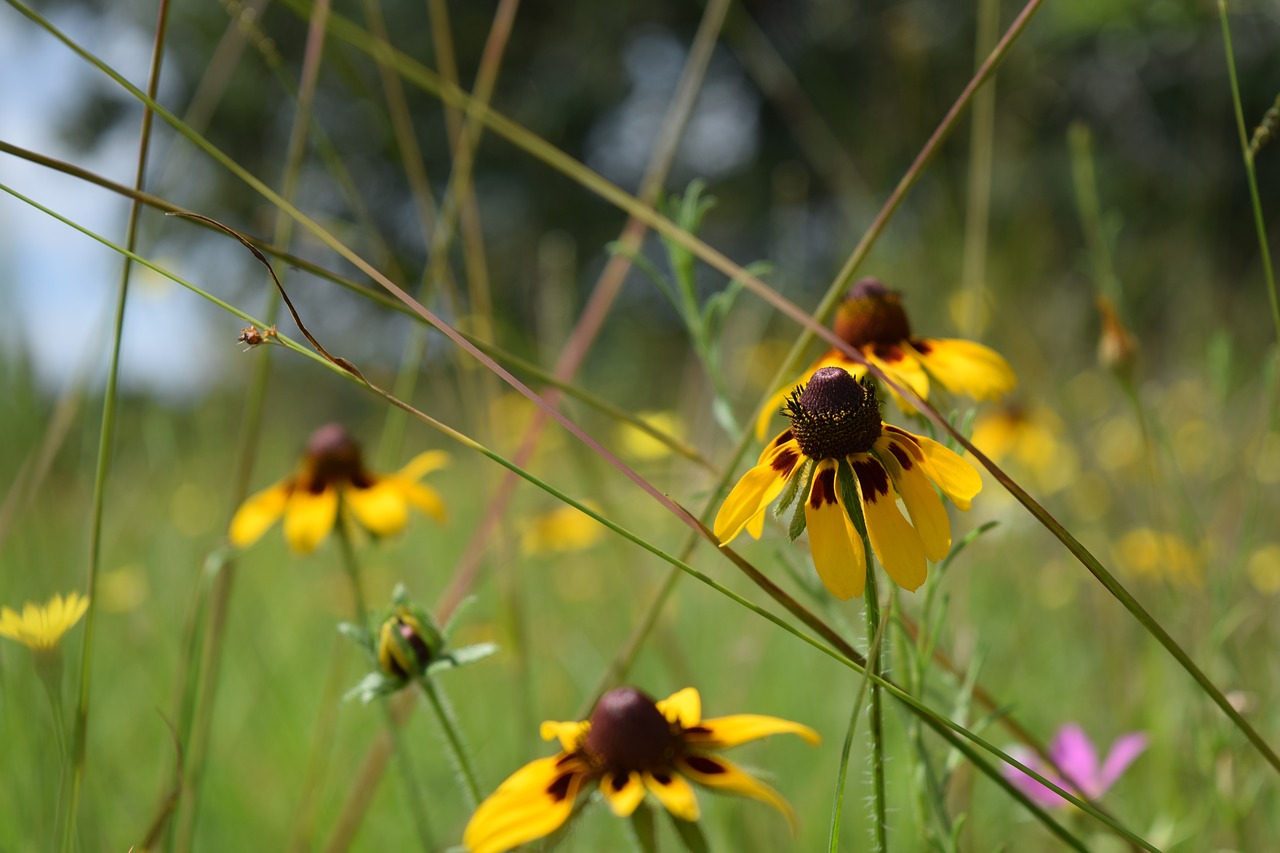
{"x": 417, "y": 805}
{"x": 872, "y": 609}
{"x": 453, "y": 738}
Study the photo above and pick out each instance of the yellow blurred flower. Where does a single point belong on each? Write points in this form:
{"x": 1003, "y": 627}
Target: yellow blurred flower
{"x": 1264, "y": 569}
{"x": 1161, "y": 555}
{"x": 639, "y": 444}
{"x": 559, "y": 531}
{"x": 41, "y": 628}
{"x": 332, "y": 474}
{"x": 1032, "y": 439}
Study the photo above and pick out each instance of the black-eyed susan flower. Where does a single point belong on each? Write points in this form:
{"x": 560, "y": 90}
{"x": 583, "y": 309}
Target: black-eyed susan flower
{"x": 405, "y": 645}
{"x": 41, "y": 628}
{"x": 835, "y": 428}
{"x": 332, "y": 475}
{"x": 871, "y": 319}
{"x": 631, "y": 746}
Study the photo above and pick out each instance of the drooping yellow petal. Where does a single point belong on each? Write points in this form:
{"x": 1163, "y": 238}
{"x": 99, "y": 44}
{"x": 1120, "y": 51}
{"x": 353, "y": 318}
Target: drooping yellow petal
{"x": 684, "y": 707}
{"x": 756, "y": 490}
{"x": 623, "y": 792}
{"x": 966, "y": 367}
{"x": 723, "y": 775}
{"x": 308, "y": 518}
{"x": 957, "y": 477}
{"x": 569, "y": 734}
{"x": 380, "y": 507}
{"x": 895, "y": 541}
{"x": 422, "y": 465}
{"x": 533, "y": 802}
{"x": 424, "y": 498}
{"x": 928, "y": 515}
{"x": 724, "y": 732}
{"x": 674, "y": 792}
{"x": 833, "y": 541}
{"x": 256, "y": 515}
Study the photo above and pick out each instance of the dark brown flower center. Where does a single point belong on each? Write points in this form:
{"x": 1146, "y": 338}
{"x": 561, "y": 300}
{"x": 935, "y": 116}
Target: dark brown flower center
{"x": 872, "y": 314}
{"x": 834, "y": 415}
{"x": 333, "y": 457}
{"x": 628, "y": 732}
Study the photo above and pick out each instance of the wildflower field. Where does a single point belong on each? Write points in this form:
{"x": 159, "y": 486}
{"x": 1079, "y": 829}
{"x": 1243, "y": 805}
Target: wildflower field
{"x": 639, "y": 426}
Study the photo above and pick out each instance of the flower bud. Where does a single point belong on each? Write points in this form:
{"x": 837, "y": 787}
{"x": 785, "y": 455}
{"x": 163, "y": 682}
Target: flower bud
{"x": 405, "y": 645}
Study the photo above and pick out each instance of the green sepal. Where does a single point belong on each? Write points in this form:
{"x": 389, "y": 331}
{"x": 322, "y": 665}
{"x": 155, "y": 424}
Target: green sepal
{"x": 798, "y": 520}
{"x": 372, "y": 686}
{"x": 850, "y": 496}
{"x": 464, "y": 656}
{"x": 792, "y": 489}
{"x": 362, "y": 637}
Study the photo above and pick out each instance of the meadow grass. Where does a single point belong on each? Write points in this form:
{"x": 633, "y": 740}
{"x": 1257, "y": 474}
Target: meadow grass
{"x": 1117, "y": 570}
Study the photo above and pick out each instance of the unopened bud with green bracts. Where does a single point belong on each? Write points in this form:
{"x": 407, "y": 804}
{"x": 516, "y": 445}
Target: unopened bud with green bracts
{"x": 405, "y": 645}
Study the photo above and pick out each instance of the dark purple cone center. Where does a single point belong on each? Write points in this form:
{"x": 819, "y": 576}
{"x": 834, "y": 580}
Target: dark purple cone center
{"x": 628, "y": 732}
{"x": 333, "y": 457}
{"x": 872, "y": 314}
{"x": 834, "y": 416}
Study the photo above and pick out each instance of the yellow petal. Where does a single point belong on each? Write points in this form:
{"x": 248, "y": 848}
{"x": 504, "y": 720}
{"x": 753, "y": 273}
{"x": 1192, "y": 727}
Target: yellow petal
{"x": 724, "y": 732}
{"x": 533, "y": 802}
{"x": 956, "y": 476}
{"x": 380, "y": 507}
{"x": 965, "y": 367}
{"x": 928, "y": 515}
{"x": 426, "y": 499}
{"x": 423, "y": 464}
{"x": 756, "y": 490}
{"x": 896, "y": 542}
{"x": 569, "y": 734}
{"x": 683, "y": 708}
{"x": 309, "y": 517}
{"x": 833, "y": 541}
{"x": 623, "y": 792}
{"x": 258, "y": 513}
{"x": 716, "y": 772}
{"x": 675, "y": 794}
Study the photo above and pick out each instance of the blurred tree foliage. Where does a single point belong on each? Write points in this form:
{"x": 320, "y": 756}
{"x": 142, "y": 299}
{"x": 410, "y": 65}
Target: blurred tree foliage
{"x": 1148, "y": 78}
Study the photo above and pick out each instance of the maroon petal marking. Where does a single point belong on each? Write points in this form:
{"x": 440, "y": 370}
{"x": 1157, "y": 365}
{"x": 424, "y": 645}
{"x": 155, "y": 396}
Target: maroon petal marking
{"x": 824, "y": 488}
{"x": 559, "y": 789}
{"x": 871, "y": 477}
{"x": 922, "y": 345}
{"x": 888, "y": 353}
{"x": 705, "y": 765}
{"x": 902, "y": 455}
{"x": 785, "y": 462}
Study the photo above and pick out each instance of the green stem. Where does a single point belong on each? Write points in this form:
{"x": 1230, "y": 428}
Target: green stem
{"x": 879, "y": 822}
{"x": 106, "y": 436}
{"x": 457, "y": 748}
{"x": 837, "y": 805}
{"x": 417, "y": 805}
